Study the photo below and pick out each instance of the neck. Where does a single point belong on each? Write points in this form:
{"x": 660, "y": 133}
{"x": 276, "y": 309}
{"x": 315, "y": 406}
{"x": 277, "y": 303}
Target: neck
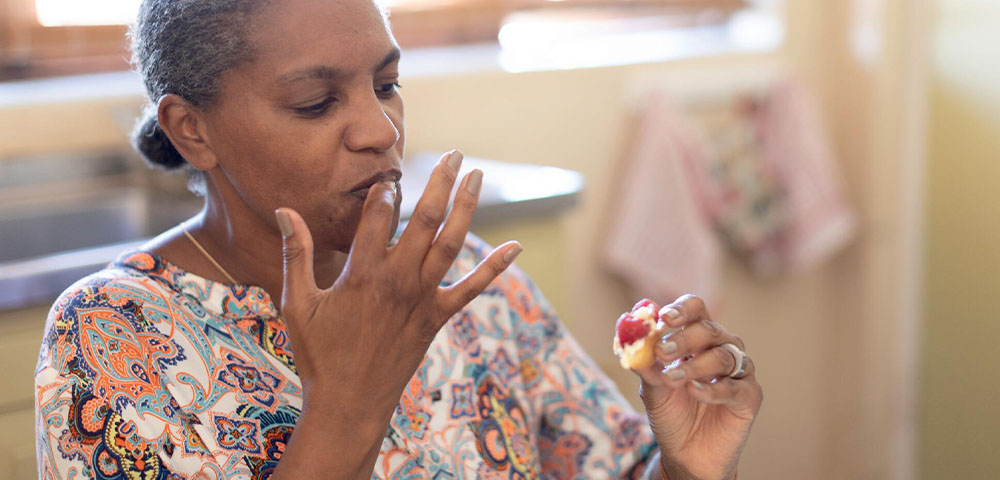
{"x": 249, "y": 247}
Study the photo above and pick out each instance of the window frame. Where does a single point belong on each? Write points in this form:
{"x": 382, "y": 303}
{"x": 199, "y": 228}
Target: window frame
{"x": 30, "y": 50}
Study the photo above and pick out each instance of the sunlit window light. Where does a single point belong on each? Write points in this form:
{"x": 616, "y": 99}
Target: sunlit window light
{"x": 58, "y": 13}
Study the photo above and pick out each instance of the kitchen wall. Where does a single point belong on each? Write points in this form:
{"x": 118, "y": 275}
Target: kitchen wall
{"x": 833, "y": 345}
{"x": 958, "y": 415}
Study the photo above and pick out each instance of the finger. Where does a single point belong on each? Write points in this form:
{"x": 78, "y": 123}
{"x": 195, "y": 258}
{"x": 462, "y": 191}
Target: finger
{"x": 452, "y": 298}
{"x": 431, "y": 208}
{"x": 693, "y": 339}
{"x": 374, "y": 229}
{"x": 297, "y": 250}
{"x": 711, "y": 364}
{"x": 450, "y": 240}
{"x": 652, "y": 375}
{"x": 686, "y": 309}
{"x": 744, "y": 392}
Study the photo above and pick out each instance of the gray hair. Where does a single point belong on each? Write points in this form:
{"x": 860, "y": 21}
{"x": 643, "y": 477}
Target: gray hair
{"x": 183, "y": 47}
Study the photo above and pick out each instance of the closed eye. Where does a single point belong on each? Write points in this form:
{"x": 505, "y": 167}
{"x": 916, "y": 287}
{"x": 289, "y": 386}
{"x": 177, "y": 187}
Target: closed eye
{"x": 315, "y": 109}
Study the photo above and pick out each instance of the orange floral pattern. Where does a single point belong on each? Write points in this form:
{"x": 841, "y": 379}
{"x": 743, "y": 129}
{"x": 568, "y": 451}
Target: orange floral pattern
{"x": 147, "y": 371}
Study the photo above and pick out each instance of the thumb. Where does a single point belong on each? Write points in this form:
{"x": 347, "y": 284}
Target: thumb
{"x": 652, "y": 375}
{"x": 298, "y": 255}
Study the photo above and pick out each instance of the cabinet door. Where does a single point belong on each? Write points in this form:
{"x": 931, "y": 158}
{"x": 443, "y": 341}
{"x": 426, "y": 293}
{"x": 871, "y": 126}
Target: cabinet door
{"x": 17, "y": 445}
{"x": 20, "y": 338}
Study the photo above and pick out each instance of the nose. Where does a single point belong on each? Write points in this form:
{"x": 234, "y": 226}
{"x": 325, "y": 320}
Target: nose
{"x": 372, "y": 126}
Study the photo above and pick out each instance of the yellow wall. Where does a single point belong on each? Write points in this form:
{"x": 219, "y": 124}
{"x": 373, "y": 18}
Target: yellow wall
{"x": 961, "y": 387}
{"x": 822, "y": 340}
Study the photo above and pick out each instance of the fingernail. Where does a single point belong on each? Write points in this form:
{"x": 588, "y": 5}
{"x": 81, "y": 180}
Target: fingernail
{"x": 697, "y": 385}
{"x": 668, "y": 348}
{"x": 455, "y": 160}
{"x": 284, "y": 223}
{"x": 671, "y": 312}
{"x": 392, "y": 188}
{"x": 676, "y": 374}
{"x": 512, "y": 253}
{"x": 475, "y": 182}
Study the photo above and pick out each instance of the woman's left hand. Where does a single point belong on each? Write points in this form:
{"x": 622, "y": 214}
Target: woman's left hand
{"x": 701, "y": 416}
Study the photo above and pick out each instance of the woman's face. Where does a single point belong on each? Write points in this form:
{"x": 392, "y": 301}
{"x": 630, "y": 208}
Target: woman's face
{"x": 316, "y": 118}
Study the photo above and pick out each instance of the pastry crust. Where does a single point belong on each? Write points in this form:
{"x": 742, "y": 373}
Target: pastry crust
{"x": 639, "y": 354}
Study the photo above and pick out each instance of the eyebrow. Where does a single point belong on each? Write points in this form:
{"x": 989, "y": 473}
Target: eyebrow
{"x": 326, "y": 72}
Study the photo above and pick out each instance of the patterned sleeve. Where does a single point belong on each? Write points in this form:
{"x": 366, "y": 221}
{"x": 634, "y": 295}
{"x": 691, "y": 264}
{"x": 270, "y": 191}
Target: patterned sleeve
{"x": 587, "y": 428}
{"x": 102, "y": 409}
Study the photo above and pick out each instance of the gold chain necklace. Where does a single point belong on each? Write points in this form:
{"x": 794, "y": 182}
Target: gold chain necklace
{"x": 208, "y": 256}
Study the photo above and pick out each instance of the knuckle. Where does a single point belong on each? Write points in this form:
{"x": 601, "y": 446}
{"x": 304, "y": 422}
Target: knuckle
{"x": 428, "y": 331}
{"x": 449, "y": 247}
{"x": 693, "y": 303}
{"x": 406, "y": 288}
{"x": 733, "y": 388}
{"x": 292, "y": 252}
{"x": 466, "y": 203}
{"x": 469, "y": 293}
{"x": 428, "y": 218}
{"x": 714, "y": 329}
{"x": 684, "y": 298}
{"x": 447, "y": 174}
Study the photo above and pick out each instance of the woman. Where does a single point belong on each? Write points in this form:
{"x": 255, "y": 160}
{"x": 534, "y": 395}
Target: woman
{"x": 174, "y": 362}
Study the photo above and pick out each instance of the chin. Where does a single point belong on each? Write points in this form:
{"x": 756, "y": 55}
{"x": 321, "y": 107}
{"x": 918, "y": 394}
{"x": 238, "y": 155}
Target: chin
{"x": 339, "y": 235}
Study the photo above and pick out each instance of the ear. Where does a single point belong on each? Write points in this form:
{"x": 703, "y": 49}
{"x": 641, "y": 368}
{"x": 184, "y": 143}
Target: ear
{"x": 185, "y": 126}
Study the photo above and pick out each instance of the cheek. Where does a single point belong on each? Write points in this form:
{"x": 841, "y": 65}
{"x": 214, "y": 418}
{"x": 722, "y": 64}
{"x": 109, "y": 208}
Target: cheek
{"x": 274, "y": 167}
{"x": 397, "y": 117}
{"x": 267, "y": 168}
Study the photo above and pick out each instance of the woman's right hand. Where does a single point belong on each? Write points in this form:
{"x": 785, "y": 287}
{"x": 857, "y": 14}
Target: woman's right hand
{"x": 358, "y": 343}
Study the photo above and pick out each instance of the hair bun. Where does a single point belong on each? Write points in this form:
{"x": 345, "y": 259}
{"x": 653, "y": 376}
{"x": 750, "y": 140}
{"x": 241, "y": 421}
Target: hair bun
{"x": 154, "y": 145}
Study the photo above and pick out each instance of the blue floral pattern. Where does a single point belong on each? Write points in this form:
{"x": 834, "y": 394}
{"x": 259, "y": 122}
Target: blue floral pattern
{"x": 150, "y": 372}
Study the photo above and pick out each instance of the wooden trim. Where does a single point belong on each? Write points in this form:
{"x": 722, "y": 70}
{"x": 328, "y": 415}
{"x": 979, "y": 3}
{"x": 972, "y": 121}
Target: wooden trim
{"x": 37, "y": 51}
{"x": 914, "y": 25}
{"x": 449, "y": 22}
{"x": 28, "y": 49}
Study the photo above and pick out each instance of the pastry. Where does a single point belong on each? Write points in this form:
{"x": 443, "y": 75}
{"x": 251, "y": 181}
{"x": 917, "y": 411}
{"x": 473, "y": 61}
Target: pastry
{"x": 636, "y": 333}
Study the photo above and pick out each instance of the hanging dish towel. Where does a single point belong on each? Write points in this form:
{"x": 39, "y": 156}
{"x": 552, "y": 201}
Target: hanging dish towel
{"x": 660, "y": 239}
{"x": 754, "y": 175}
{"x": 819, "y": 220}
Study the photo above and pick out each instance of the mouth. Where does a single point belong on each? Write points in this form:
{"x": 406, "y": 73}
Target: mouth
{"x": 360, "y": 190}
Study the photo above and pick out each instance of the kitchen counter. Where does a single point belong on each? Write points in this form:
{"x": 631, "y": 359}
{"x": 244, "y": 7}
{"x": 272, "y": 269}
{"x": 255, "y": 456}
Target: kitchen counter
{"x": 510, "y": 191}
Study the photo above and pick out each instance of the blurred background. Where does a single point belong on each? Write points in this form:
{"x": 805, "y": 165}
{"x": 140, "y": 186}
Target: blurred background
{"x": 826, "y": 173}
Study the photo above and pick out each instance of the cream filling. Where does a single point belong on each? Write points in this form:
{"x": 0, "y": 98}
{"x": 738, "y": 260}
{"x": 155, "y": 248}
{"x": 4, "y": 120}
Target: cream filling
{"x": 646, "y": 315}
{"x": 627, "y": 352}
{"x": 630, "y": 351}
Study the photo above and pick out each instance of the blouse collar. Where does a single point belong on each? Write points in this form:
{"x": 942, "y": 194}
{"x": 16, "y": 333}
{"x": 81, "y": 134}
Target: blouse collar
{"x": 232, "y": 300}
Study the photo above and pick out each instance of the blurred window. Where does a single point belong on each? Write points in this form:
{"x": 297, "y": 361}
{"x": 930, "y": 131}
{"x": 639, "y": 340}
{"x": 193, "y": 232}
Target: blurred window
{"x": 41, "y": 38}
{"x": 61, "y": 13}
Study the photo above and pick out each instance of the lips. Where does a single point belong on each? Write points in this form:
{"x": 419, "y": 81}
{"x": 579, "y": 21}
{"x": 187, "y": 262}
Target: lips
{"x": 360, "y": 190}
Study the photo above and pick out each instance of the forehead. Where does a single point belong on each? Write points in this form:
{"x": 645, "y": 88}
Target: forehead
{"x": 290, "y": 34}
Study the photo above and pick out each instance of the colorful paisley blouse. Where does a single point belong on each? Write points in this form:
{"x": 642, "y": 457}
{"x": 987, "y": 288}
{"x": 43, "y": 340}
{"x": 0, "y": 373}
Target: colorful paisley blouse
{"x": 147, "y": 371}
